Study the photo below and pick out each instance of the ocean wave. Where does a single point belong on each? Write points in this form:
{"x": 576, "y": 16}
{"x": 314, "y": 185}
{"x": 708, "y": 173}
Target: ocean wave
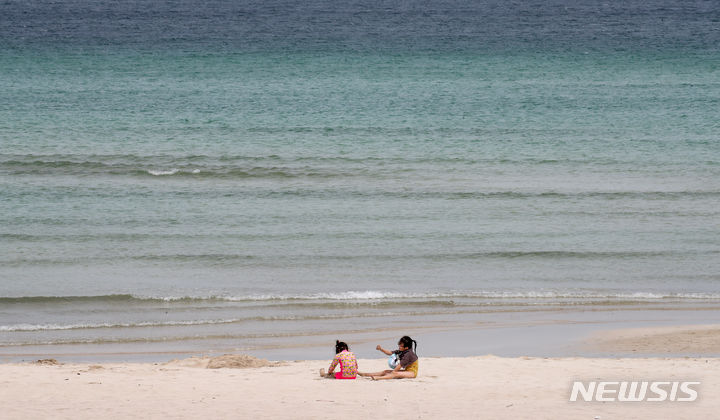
{"x": 199, "y": 171}
{"x": 271, "y": 166}
{"x": 107, "y": 160}
{"x": 367, "y": 295}
{"x": 147, "y": 324}
{"x": 221, "y": 259}
{"x": 195, "y": 166}
{"x": 205, "y": 322}
{"x": 163, "y": 172}
{"x": 336, "y": 191}
{"x": 83, "y": 326}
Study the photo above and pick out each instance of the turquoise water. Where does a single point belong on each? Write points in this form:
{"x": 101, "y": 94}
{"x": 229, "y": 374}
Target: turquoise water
{"x": 152, "y": 181}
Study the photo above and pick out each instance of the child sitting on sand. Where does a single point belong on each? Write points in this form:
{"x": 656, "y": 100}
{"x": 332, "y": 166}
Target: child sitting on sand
{"x": 346, "y": 360}
{"x": 408, "y": 361}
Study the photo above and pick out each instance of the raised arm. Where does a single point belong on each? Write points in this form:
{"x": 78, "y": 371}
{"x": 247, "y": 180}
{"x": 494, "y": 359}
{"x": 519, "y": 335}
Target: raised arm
{"x": 388, "y": 352}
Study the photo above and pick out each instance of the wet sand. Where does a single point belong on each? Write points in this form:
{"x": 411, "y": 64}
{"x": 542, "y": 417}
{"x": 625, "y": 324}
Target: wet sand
{"x": 687, "y": 339}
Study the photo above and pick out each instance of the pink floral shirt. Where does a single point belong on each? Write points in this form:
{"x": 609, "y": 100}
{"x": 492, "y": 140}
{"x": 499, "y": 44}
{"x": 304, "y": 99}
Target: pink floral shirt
{"x": 348, "y": 364}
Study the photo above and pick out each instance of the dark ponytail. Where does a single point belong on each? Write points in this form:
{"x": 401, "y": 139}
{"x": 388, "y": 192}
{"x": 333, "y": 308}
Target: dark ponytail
{"x": 340, "y": 346}
{"x": 408, "y": 342}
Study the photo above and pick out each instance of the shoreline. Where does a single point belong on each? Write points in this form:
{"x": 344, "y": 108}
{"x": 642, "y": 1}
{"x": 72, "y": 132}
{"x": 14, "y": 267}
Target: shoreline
{"x": 571, "y": 333}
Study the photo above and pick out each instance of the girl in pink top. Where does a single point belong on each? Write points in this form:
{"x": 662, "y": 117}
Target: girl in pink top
{"x": 346, "y": 360}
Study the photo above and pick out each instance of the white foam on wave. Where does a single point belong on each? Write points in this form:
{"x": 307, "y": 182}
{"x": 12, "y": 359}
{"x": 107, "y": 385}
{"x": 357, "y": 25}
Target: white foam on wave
{"x": 349, "y": 295}
{"x": 370, "y": 295}
{"x": 163, "y": 172}
{"x": 47, "y": 327}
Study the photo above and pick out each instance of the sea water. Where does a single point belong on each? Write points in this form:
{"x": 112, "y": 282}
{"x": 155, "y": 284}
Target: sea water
{"x": 177, "y": 171}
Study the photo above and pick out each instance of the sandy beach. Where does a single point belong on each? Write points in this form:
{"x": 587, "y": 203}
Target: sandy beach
{"x": 244, "y": 387}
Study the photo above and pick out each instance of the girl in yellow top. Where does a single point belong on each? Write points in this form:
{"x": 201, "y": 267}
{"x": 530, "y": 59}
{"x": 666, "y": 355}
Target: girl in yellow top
{"x": 408, "y": 361}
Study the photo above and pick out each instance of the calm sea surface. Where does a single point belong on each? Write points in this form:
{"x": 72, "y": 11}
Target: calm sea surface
{"x": 235, "y": 171}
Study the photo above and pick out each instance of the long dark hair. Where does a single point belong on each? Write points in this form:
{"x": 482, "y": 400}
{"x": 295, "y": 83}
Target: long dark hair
{"x": 408, "y": 343}
{"x": 340, "y": 346}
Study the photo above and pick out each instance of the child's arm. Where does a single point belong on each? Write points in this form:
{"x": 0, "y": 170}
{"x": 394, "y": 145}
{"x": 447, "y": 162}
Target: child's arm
{"x": 332, "y": 365}
{"x": 388, "y": 352}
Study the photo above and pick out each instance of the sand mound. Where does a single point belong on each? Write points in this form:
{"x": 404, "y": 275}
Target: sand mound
{"x": 48, "y": 362}
{"x": 232, "y": 361}
{"x": 236, "y": 361}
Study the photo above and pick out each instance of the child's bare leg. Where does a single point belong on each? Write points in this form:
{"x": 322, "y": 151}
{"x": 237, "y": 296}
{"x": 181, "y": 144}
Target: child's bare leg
{"x": 384, "y": 372}
{"x": 395, "y": 375}
{"x": 369, "y": 374}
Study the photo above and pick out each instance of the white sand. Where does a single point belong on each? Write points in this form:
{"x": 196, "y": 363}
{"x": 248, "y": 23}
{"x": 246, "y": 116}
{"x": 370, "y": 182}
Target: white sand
{"x": 476, "y": 387}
